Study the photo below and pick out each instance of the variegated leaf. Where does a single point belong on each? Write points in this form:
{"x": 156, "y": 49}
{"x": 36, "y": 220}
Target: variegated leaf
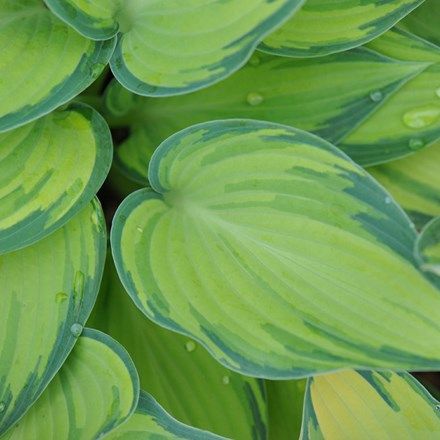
{"x": 365, "y": 405}
{"x": 48, "y": 290}
{"x": 274, "y": 250}
{"x": 43, "y": 63}
{"x": 49, "y": 170}
{"x": 94, "y": 392}
{"x": 169, "y": 48}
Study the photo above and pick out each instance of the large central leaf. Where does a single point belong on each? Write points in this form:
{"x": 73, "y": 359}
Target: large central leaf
{"x": 172, "y": 47}
{"x": 274, "y": 250}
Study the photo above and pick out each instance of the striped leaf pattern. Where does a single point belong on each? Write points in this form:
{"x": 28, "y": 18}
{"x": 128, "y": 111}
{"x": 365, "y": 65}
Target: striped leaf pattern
{"x": 365, "y": 405}
{"x": 48, "y": 290}
{"x": 322, "y": 27}
{"x": 247, "y": 217}
{"x": 199, "y": 392}
{"x": 35, "y": 83}
{"x": 151, "y": 421}
{"x": 344, "y": 98}
{"x": 169, "y": 48}
{"x": 414, "y": 182}
{"x": 49, "y": 170}
{"x": 95, "y": 391}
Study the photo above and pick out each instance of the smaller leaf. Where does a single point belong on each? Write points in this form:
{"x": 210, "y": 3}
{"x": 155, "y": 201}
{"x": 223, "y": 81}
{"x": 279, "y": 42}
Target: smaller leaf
{"x": 44, "y": 63}
{"x": 365, "y": 405}
{"x": 95, "y": 391}
{"x": 49, "y": 170}
{"x": 151, "y": 421}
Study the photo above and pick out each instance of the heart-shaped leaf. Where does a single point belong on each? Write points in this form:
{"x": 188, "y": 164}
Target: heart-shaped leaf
{"x": 274, "y": 250}
{"x": 48, "y": 290}
{"x": 322, "y": 27}
{"x": 365, "y": 405}
{"x": 169, "y": 48}
{"x": 95, "y": 391}
{"x": 44, "y": 63}
{"x": 49, "y": 170}
{"x": 181, "y": 375}
{"x": 151, "y": 421}
{"x": 414, "y": 182}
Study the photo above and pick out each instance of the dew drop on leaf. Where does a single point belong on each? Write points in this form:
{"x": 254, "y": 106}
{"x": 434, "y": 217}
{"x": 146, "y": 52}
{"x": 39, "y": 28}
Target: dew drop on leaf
{"x": 415, "y": 144}
{"x": 387, "y": 200}
{"x": 76, "y": 329}
{"x": 61, "y": 297}
{"x": 254, "y": 99}
{"x": 139, "y": 229}
{"x": 376, "y": 96}
{"x": 225, "y": 380}
{"x": 422, "y": 117}
{"x": 190, "y": 346}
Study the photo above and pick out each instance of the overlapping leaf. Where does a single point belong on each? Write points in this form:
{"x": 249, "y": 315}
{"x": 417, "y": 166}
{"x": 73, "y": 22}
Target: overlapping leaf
{"x": 274, "y": 250}
{"x": 95, "y": 391}
{"x": 322, "y": 27}
{"x": 344, "y": 98}
{"x": 168, "y": 48}
{"x": 151, "y": 421}
{"x": 44, "y": 63}
{"x": 366, "y": 405}
{"x": 181, "y": 375}
{"x": 48, "y": 290}
{"x": 414, "y": 182}
{"x": 49, "y": 170}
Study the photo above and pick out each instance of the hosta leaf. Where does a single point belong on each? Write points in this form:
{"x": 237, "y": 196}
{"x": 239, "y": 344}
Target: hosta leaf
{"x": 95, "y": 391}
{"x": 414, "y": 182}
{"x": 336, "y": 97}
{"x": 49, "y": 170}
{"x": 369, "y": 405}
{"x": 151, "y": 421}
{"x": 427, "y": 250}
{"x": 322, "y": 27}
{"x": 239, "y": 408}
{"x": 274, "y": 250}
{"x": 44, "y": 63}
{"x": 48, "y": 290}
{"x": 167, "y": 48}
{"x": 285, "y": 400}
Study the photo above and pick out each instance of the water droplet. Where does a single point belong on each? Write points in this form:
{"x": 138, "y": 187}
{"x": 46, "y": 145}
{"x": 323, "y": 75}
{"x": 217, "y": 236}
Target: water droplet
{"x": 225, "y": 380}
{"x": 139, "y": 229}
{"x": 415, "y": 144}
{"x": 190, "y": 346}
{"x": 254, "y": 61}
{"x": 76, "y": 329}
{"x": 376, "y": 96}
{"x": 61, "y": 297}
{"x": 387, "y": 200}
{"x": 78, "y": 283}
{"x": 421, "y": 117}
{"x": 2, "y": 406}
{"x": 437, "y": 407}
{"x": 254, "y": 99}
{"x": 437, "y": 92}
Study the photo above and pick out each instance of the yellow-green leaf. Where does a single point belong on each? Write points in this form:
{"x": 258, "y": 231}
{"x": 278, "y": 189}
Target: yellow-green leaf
{"x": 44, "y": 63}
{"x": 94, "y": 392}
{"x": 274, "y": 250}
{"x": 48, "y": 290}
{"x": 365, "y": 405}
{"x": 179, "y": 373}
{"x": 322, "y": 27}
{"x": 49, "y": 170}
{"x": 169, "y": 48}
{"x": 151, "y": 421}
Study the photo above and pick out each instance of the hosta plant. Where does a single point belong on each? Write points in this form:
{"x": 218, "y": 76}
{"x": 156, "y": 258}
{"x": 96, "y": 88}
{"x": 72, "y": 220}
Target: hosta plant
{"x": 219, "y": 219}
